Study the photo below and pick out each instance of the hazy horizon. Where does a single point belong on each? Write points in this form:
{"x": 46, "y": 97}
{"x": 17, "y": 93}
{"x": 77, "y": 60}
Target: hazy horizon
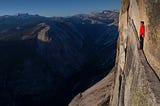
{"x": 51, "y": 8}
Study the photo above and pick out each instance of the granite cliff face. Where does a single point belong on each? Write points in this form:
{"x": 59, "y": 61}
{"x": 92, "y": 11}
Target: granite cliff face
{"x": 137, "y": 76}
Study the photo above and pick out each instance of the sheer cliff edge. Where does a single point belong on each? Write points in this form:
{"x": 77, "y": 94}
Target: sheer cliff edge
{"x": 137, "y": 72}
{"x": 137, "y": 76}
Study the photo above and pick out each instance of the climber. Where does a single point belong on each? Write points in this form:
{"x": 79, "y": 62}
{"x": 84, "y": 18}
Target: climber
{"x": 142, "y": 34}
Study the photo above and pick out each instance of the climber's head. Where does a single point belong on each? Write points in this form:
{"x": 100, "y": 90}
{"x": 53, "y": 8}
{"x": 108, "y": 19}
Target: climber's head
{"x": 142, "y": 22}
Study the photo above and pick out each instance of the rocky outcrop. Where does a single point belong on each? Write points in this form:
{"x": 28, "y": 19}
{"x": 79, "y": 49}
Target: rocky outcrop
{"x": 98, "y": 95}
{"x": 137, "y": 77}
{"x": 42, "y": 35}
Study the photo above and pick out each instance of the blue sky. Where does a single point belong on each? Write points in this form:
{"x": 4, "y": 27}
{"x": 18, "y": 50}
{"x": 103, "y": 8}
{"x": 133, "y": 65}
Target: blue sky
{"x": 56, "y": 7}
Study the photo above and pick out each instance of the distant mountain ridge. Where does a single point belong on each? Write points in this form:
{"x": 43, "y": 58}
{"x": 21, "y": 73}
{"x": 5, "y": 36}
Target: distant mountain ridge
{"x": 49, "y": 60}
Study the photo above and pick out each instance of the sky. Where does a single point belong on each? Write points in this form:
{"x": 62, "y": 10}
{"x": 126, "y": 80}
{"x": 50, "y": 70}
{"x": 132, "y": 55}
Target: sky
{"x": 56, "y": 7}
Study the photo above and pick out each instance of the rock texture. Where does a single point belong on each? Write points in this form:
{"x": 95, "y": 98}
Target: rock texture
{"x": 98, "y": 95}
{"x": 137, "y": 75}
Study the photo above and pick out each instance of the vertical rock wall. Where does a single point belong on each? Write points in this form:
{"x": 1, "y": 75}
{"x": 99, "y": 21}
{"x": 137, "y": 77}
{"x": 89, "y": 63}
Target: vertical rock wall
{"x": 152, "y": 41}
{"x": 137, "y": 78}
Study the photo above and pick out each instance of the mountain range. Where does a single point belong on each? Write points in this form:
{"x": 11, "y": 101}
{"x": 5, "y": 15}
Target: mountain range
{"x": 47, "y": 61}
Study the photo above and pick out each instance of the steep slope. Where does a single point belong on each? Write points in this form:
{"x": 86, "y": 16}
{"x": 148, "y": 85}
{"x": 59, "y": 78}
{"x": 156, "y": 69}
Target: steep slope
{"x": 137, "y": 77}
{"x": 97, "y": 95}
{"x": 43, "y": 60}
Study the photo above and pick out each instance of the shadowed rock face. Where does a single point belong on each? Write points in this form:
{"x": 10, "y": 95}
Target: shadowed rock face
{"x": 47, "y": 61}
{"x": 153, "y": 34}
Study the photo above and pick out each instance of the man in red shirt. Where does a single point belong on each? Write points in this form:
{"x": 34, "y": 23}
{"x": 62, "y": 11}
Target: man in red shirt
{"x": 142, "y": 34}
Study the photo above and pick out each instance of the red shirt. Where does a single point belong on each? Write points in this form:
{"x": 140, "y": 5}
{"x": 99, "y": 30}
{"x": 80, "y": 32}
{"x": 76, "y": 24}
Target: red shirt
{"x": 142, "y": 30}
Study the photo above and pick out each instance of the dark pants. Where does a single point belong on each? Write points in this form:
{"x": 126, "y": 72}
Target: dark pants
{"x": 141, "y": 42}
